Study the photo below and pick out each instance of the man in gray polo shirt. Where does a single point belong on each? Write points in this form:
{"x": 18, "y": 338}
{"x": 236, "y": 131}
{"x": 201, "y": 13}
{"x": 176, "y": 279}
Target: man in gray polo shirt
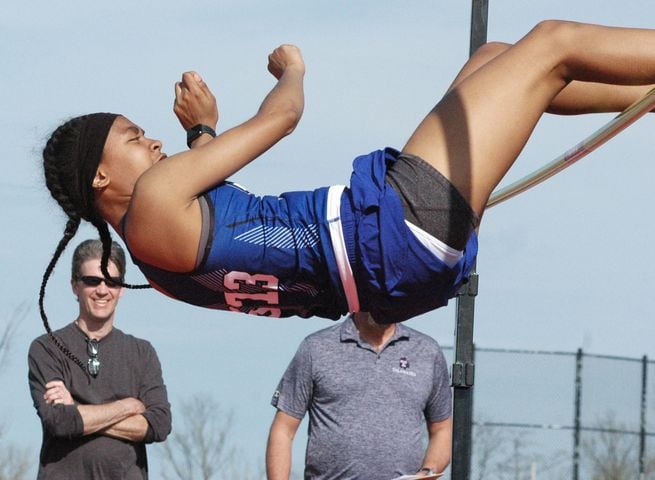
{"x": 370, "y": 390}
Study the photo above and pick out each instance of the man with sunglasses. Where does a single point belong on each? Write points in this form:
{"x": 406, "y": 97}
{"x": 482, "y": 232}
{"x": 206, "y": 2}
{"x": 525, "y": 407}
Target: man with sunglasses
{"x": 97, "y": 420}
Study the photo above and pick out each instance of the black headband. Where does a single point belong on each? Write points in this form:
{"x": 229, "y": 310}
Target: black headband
{"x": 91, "y": 142}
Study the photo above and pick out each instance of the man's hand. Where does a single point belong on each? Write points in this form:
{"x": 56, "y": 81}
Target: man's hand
{"x": 284, "y": 57}
{"x": 99, "y": 417}
{"x": 56, "y": 393}
{"x": 134, "y": 406}
{"x": 194, "y": 102}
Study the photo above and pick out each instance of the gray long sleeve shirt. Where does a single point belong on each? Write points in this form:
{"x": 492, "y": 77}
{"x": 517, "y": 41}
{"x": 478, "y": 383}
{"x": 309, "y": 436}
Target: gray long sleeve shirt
{"x": 129, "y": 368}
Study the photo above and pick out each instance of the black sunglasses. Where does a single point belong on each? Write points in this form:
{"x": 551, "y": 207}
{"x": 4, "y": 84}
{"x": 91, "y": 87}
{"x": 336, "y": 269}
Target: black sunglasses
{"x": 93, "y": 364}
{"x": 92, "y": 281}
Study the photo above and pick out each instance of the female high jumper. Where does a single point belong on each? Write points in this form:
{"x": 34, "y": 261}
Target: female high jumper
{"x": 397, "y": 242}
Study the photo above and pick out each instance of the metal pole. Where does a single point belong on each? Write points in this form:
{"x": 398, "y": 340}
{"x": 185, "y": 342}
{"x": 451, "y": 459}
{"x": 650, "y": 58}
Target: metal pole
{"x": 642, "y": 420}
{"x": 463, "y": 366}
{"x": 463, "y": 379}
{"x": 578, "y": 410}
{"x": 479, "y": 21}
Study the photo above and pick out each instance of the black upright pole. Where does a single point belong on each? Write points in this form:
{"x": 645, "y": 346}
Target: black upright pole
{"x": 577, "y": 415}
{"x": 642, "y": 420}
{"x": 464, "y": 364}
{"x": 479, "y": 21}
{"x": 463, "y": 376}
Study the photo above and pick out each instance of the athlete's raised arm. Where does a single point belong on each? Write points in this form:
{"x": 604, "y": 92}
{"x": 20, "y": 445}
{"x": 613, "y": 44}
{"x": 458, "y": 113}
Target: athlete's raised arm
{"x": 190, "y": 173}
{"x": 164, "y": 202}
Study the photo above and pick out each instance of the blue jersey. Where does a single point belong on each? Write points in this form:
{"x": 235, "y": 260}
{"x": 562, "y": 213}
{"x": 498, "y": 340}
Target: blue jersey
{"x": 321, "y": 253}
{"x": 266, "y": 256}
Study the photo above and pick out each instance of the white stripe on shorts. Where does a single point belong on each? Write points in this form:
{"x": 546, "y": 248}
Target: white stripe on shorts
{"x": 339, "y": 247}
{"x": 443, "y": 252}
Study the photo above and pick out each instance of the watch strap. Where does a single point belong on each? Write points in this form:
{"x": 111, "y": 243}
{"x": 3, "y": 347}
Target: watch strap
{"x": 194, "y": 132}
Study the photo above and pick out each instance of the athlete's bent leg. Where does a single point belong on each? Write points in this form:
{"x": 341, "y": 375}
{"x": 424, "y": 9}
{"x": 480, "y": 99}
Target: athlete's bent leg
{"x": 479, "y": 128}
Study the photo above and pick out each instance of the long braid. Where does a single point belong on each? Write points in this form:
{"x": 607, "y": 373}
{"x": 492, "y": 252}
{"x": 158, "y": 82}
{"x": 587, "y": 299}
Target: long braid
{"x": 60, "y": 141}
{"x": 105, "y": 238}
{"x": 70, "y": 159}
{"x": 71, "y": 228}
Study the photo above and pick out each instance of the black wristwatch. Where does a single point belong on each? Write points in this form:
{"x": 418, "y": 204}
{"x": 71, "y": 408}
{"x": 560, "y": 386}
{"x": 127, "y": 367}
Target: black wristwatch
{"x": 197, "y": 130}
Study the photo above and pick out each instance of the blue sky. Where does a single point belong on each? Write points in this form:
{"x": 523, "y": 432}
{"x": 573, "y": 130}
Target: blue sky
{"x": 563, "y": 266}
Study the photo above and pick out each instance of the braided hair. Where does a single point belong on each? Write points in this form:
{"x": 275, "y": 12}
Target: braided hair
{"x": 70, "y": 159}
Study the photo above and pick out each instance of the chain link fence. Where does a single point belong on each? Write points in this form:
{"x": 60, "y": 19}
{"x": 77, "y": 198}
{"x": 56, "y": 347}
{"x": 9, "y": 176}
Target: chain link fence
{"x": 550, "y": 414}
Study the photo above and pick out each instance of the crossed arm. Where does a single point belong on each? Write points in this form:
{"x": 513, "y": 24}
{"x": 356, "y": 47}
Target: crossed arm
{"x": 121, "y": 419}
{"x": 143, "y": 419}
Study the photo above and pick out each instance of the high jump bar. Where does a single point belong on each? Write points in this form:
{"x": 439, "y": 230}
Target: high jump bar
{"x": 586, "y": 146}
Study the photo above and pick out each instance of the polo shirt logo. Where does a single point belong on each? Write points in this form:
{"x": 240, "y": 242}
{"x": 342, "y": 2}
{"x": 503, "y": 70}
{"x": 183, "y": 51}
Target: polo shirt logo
{"x": 403, "y": 363}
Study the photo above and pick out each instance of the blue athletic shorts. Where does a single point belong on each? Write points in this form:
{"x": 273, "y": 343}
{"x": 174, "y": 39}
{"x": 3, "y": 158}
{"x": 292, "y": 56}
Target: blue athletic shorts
{"x": 396, "y": 276}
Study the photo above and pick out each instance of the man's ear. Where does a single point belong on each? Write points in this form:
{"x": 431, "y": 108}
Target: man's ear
{"x": 75, "y": 289}
{"x": 101, "y": 180}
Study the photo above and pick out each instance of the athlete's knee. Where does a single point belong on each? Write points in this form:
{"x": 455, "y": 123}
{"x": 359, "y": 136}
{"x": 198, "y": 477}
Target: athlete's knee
{"x": 490, "y": 50}
{"x": 556, "y": 42}
{"x": 557, "y": 35}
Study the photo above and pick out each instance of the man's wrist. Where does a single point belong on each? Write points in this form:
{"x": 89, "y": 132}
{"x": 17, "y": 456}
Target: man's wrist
{"x": 426, "y": 471}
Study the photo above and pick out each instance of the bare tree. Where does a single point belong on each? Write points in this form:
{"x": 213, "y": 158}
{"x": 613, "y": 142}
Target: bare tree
{"x": 14, "y": 461}
{"x": 244, "y": 469}
{"x": 517, "y": 462}
{"x": 488, "y": 446}
{"x": 199, "y": 447}
{"x": 509, "y": 454}
{"x": 611, "y": 454}
{"x": 8, "y": 330}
